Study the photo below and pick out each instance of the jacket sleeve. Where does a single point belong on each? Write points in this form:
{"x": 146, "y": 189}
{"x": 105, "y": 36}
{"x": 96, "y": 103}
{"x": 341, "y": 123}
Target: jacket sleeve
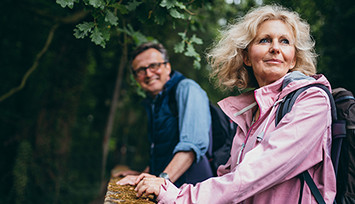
{"x": 194, "y": 118}
{"x": 298, "y": 143}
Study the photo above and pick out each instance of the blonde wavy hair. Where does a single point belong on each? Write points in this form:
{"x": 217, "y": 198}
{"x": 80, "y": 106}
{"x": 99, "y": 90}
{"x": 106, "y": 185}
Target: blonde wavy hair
{"x": 226, "y": 57}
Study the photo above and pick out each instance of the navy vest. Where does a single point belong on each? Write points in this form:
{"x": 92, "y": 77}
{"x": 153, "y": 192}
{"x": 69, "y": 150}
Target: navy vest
{"x": 163, "y": 131}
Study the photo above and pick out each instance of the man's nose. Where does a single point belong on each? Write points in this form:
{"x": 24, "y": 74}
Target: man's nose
{"x": 148, "y": 72}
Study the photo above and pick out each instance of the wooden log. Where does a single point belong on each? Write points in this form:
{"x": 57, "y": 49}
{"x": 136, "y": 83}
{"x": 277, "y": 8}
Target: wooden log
{"x": 124, "y": 194}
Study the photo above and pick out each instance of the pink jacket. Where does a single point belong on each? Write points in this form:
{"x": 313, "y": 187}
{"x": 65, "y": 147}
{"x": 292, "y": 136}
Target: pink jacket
{"x": 265, "y": 171}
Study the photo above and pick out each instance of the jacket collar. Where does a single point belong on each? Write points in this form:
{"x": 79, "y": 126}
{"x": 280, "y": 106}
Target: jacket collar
{"x": 266, "y": 96}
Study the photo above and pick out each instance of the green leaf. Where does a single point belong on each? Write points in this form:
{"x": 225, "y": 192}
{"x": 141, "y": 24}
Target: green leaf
{"x": 86, "y": 26}
{"x": 190, "y": 51}
{"x": 129, "y": 30}
{"x": 168, "y": 4}
{"x": 83, "y": 29}
{"x": 183, "y": 35}
{"x": 160, "y": 17}
{"x": 97, "y": 3}
{"x": 97, "y": 37}
{"x": 64, "y": 3}
{"x": 137, "y": 86}
{"x": 105, "y": 33}
{"x": 197, "y": 64}
{"x": 79, "y": 34}
{"x": 111, "y": 18}
{"x": 121, "y": 8}
{"x": 175, "y": 14}
{"x": 139, "y": 38}
{"x": 179, "y": 48}
{"x": 112, "y": 144}
{"x": 196, "y": 40}
{"x": 133, "y": 5}
{"x": 180, "y": 5}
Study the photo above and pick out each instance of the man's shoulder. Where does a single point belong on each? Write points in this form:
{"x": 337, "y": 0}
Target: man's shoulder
{"x": 188, "y": 87}
{"x": 186, "y": 83}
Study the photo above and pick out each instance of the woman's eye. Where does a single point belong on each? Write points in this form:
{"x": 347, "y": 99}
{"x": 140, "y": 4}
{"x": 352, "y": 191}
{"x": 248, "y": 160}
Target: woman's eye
{"x": 264, "y": 40}
{"x": 285, "y": 41}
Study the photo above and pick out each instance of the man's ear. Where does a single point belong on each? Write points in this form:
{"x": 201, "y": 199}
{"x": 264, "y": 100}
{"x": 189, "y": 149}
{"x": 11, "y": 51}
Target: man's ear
{"x": 168, "y": 66}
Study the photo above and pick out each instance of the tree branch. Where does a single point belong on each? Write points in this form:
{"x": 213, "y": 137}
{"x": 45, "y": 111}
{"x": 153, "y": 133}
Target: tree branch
{"x": 34, "y": 65}
{"x": 74, "y": 18}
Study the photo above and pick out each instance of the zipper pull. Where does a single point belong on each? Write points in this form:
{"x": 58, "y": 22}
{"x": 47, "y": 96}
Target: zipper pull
{"x": 260, "y": 136}
{"x": 240, "y": 153}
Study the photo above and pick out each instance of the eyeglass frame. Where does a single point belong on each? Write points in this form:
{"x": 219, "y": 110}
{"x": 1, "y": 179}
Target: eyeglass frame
{"x": 150, "y": 67}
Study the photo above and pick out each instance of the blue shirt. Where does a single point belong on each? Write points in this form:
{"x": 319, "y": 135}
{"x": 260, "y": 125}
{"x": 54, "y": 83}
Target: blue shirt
{"x": 194, "y": 118}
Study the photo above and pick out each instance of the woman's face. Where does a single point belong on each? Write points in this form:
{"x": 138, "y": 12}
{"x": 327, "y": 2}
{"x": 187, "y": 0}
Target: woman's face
{"x": 272, "y": 52}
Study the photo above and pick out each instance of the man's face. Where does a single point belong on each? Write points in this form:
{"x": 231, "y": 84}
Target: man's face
{"x": 154, "y": 80}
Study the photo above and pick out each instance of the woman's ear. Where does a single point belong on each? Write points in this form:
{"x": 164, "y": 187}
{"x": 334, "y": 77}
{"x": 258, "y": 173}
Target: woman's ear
{"x": 293, "y": 64}
{"x": 246, "y": 59}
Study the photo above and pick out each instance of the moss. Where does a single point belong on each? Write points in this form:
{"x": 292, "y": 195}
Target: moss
{"x": 124, "y": 194}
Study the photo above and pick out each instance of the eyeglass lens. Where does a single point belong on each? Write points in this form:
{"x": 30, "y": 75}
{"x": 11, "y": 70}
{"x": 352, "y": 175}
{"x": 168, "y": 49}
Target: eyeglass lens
{"x": 153, "y": 67}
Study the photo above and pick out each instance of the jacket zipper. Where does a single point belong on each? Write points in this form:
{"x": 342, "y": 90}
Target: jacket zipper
{"x": 260, "y": 136}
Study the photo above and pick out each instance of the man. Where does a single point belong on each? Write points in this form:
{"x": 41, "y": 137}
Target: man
{"x": 179, "y": 139}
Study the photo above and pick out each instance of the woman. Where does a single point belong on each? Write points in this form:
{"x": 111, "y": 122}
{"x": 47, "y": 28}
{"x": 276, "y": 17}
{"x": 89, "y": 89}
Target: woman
{"x": 269, "y": 49}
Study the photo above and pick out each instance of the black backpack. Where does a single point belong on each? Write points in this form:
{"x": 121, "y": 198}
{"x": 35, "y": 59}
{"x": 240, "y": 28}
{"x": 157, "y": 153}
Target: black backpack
{"x": 343, "y": 146}
{"x": 222, "y": 132}
{"x": 345, "y": 104}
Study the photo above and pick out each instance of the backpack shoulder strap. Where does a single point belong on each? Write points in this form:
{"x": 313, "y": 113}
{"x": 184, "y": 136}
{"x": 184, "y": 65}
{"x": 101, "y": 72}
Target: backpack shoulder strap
{"x": 340, "y": 99}
{"x": 312, "y": 186}
{"x": 338, "y": 126}
{"x": 285, "y": 107}
{"x": 289, "y": 100}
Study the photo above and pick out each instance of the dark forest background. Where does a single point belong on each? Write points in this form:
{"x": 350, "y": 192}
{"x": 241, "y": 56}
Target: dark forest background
{"x": 69, "y": 110}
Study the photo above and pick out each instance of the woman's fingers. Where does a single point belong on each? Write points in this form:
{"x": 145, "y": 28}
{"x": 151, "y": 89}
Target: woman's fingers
{"x": 128, "y": 180}
{"x": 142, "y": 176}
{"x": 149, "y": 185}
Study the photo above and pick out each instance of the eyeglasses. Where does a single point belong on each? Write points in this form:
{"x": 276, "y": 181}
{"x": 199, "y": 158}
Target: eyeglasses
{"x": 142, "y": 71}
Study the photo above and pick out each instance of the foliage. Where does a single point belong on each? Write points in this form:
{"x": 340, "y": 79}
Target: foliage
{"x": 107, "y": 15}
{"x": 52, "y": 128}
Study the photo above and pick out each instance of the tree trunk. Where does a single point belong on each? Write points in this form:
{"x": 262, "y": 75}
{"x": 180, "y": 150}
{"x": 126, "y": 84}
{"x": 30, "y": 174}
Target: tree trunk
{"x": 111, "y": 116}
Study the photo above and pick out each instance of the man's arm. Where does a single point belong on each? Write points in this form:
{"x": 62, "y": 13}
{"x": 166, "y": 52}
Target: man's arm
{"x": 179, "y": 164}
{"x": 194, "y": 126}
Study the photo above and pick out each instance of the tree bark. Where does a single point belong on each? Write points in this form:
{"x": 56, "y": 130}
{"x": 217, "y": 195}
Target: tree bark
{"x": 112, "y": 113}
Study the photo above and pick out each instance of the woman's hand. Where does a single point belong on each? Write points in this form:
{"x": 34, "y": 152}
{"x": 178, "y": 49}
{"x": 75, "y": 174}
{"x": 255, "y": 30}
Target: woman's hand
{"x": 133, "y": 179}
{"x": 148, "y": 184}
{"x": 125, "y": 173}
{"x": 128, "y": 180}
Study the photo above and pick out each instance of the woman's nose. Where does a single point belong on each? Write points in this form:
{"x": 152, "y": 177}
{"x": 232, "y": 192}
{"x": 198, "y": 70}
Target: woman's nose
{"x": 275, "y": 48}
